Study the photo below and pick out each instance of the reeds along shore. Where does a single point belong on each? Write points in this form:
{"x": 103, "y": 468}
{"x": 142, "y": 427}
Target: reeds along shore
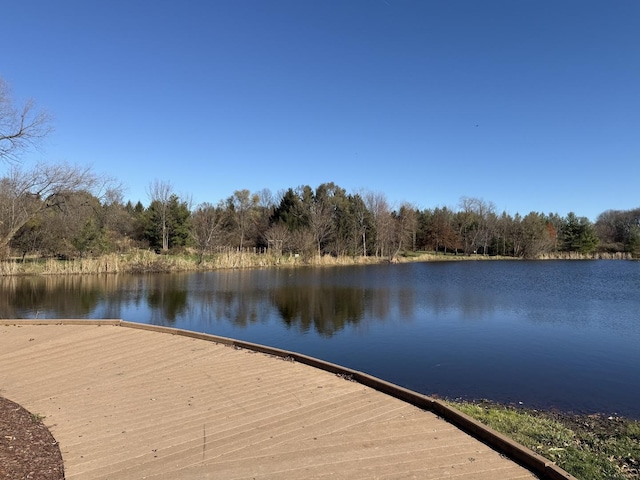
{"x": 145, "y": 261}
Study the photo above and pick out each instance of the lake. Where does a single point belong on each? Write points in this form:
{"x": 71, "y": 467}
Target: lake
{"x": 546, "y": 334}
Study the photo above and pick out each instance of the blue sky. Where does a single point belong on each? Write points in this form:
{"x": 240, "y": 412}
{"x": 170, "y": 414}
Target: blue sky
{"x": 534, "y": 106}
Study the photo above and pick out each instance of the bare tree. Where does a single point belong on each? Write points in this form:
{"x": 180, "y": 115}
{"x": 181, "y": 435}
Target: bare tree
{"x": 619, "y": 229}
{"x": 267, "y": 199}
{"x": 243, "y": 207}
{"x": 20, "y": 127}
{"x": 382, "y": 221}
{"x": 207, "y": 224}
{"x": 264, "y": 211}
{"x": 408, "y": 231}
{"x": 160, "y": 193}
{"x": 278, "y": 238}
{"x": 362, "y": 224}
{"x": 476, "y": 223}
{"x": 319, "y": 208}
{"x": 487, "y": 213}
{"x": 24, "y": 194}
{"x": 441, "y": 232}
{"x": 303, "y": 240}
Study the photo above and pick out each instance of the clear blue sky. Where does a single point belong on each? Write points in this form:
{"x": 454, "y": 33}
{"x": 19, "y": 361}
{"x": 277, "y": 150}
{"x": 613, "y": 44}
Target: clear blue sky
{"x": 534, "y": 106}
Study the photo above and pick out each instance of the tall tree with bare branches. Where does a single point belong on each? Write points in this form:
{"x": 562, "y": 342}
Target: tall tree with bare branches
{"x": 207, "y": 228}
{"x": 20, "y": 127}
{"x": 382, "y": 220}
{"x": 160, "y": 194}
{"x": 243, "y": 205}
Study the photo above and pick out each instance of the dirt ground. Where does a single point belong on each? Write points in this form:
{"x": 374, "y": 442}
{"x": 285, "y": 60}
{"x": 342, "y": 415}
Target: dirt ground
{"x": 28, "y": 451}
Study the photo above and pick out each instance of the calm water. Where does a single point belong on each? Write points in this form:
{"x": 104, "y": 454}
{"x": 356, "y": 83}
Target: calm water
{"x": 547, "y": 334}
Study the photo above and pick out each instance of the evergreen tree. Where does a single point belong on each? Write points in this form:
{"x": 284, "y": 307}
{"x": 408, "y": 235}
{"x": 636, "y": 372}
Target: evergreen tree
{"x": 578, "y": 234}
{"x": 289, "y": 211}
{"x": 172, "y": 220}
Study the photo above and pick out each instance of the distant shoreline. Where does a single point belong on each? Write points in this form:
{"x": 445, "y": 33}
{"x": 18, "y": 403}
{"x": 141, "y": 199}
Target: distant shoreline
{"x": 145, "y": 261}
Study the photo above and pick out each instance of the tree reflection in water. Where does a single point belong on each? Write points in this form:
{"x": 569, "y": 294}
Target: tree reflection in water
{"x": 325, "y": 309}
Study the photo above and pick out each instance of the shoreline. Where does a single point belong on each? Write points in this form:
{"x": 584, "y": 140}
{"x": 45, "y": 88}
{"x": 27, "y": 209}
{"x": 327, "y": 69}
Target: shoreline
{"x": 145, "y": 261}
{"x": 589, "y": 446}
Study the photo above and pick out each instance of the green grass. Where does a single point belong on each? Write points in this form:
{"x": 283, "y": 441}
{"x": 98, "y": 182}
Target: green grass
{"x": 37, "y": 418}
{"x": 590, "y": 447}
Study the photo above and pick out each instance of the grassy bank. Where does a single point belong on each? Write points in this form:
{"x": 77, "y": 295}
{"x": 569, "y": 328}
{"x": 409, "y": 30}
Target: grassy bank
{"x": 590, "y": 447}
{"x": 144, "y": 261}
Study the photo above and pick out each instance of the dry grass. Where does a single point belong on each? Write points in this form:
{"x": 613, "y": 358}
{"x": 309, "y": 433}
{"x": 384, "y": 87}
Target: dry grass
{"x": 146, "y": 261}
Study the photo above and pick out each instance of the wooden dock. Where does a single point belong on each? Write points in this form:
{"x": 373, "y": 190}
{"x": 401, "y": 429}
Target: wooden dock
{"x": 132, "y": 403}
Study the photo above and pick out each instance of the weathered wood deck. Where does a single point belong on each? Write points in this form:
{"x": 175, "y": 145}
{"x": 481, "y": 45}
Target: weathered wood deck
{"x": 126, "y": 403}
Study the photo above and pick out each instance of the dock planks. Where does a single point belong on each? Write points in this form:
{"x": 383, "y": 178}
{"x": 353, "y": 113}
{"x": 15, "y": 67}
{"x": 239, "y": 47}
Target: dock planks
{"x": 126, "y": 403}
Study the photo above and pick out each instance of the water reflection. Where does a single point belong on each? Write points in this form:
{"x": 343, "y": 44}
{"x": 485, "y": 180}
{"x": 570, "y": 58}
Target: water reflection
{"x": 555, "y": 333}
{"x": 326, "y": 301}
{"x": 325, "y": 309}
{"x": 240, "y": 298}
{"x": 166, "y": 304}
{"x": 52, "y": 297}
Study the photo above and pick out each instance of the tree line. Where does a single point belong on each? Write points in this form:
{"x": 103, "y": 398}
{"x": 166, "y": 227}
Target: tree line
{"x": 40, "y": 216}
{"x": 69, "y": 211}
